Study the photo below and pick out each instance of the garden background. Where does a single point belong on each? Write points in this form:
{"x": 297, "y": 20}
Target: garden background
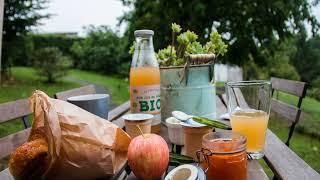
{"x": 265, "y": 38}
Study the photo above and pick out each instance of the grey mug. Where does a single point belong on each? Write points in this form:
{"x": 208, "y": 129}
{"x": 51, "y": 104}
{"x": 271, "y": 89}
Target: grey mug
{"x": 95, "y": 103}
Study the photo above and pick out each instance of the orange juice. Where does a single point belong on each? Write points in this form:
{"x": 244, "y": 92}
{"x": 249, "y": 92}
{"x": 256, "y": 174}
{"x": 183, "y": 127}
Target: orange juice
{"x": 144, "y": 76}
{"x": 145, "y": 79}
{"x": 252, "y": 124}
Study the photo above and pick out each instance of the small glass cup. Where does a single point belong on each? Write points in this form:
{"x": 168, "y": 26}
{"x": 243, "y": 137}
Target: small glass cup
{"x": 224, "y": 156}
{"x": 249, "y": 108}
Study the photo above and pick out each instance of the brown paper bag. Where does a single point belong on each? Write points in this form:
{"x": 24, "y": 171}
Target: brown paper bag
{"x": 81, "y": 145}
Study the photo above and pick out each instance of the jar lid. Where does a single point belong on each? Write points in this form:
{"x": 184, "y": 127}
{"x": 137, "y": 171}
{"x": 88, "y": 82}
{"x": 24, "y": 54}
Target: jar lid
{"x": 224, "y": 142}
{"x": 143, "y": 32}
{"x": 137, "y": 117}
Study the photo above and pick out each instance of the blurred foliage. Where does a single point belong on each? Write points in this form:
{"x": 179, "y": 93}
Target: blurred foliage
{"x": 19, "y": 17}
{"x": 18, "y": 51}
{"x": 50, "y": 63}
{"x": 61, "y": 41}
{"x": 307, "y": 59}
{"x": 22, "y": 48}
{"x": 278, "y": 64}
{"x": 101, "y": 51}
{"x": 314, "y": 91}
{"x": 248, "y": 26}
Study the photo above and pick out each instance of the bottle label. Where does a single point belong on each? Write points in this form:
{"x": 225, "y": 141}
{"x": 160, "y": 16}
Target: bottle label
{"x": 145, "y": 99}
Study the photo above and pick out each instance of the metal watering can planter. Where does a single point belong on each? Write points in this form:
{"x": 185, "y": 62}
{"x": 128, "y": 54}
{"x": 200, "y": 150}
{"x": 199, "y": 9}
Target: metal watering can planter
{"x": 189, "y": 88}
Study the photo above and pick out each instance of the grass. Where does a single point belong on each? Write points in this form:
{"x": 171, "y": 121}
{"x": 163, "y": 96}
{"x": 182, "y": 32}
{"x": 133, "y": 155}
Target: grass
{"x": 25, "y": 81}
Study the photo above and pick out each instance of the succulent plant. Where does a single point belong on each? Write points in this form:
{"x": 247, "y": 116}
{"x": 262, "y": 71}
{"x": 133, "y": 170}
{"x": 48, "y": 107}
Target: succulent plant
{"x": 176, "y": 54}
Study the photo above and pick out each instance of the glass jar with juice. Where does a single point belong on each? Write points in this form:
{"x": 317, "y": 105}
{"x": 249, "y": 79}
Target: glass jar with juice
{"x": 145, "y": 79}
{"x": 224, "y": 156}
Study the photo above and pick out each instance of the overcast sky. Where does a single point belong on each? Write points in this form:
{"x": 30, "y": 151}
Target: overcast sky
{"x": 72, "y": 15}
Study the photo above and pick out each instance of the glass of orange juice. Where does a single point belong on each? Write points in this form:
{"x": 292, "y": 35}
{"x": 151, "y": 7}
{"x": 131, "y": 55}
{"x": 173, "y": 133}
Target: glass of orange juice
{"x": 249, "y": 108}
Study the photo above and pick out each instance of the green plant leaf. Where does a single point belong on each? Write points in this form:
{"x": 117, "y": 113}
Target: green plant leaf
{"x": 211, "y": 122}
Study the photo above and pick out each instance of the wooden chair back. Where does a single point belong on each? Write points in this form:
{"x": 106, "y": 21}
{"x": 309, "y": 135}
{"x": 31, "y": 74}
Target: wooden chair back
{"x": 291, "y": 113}
{"x": 84, "y": 90}
{"x": 10, "y": 111}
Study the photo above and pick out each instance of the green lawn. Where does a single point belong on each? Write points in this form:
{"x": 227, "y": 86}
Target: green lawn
{"x": 25, "y": 81}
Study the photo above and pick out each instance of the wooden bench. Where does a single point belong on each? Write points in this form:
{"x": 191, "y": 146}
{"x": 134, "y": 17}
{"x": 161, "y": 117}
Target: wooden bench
{"x": 10, "y": 111}
{"x": 289, "y": 112}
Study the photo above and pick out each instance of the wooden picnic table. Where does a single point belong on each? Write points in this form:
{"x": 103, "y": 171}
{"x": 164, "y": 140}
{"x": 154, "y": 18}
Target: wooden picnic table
{"x": 284, "y": 163}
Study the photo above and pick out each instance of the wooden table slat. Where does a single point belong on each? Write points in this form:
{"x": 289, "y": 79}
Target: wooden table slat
{"x": 118, "y": 111}
{"x": 284, "y": 162}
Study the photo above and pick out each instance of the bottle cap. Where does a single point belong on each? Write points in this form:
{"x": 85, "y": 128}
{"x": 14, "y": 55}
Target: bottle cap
{"x": 143, "y": 32}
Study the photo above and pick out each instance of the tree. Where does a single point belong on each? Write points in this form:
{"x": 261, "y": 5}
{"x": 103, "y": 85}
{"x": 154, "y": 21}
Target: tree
{"x": 307, "y": 59}
{"x": 50, "y": 63}
{"x": 19, "y": 17}
{"x": 247, "y": 25}
{"x": 100, "y": 51}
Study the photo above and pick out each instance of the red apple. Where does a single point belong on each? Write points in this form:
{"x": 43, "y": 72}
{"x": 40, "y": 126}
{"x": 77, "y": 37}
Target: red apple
{"x": 148, "y": 156}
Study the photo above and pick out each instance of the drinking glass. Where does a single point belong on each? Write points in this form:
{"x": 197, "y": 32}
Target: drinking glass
{"x": 249, "y": 109}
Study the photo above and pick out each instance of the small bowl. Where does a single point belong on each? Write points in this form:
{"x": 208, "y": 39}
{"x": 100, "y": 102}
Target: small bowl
{"x": 175, "y": 131}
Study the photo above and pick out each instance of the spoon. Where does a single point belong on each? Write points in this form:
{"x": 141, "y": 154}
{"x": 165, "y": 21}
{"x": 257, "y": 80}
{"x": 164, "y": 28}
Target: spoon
{"x": 181, "y": 115}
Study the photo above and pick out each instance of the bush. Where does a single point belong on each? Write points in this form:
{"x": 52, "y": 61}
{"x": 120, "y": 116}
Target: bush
{"x": 62, "y": 42}
{"x": 314, "y": 90}
{"x": 50, "y": 63}
{"x": 101, "y": 51}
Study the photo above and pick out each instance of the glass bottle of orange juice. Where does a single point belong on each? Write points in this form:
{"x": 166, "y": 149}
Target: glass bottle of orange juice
{"x": 145, "y": 79}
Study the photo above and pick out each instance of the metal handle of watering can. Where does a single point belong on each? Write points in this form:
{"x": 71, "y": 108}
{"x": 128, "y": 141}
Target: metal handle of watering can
{"x": 197, "y": 59}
